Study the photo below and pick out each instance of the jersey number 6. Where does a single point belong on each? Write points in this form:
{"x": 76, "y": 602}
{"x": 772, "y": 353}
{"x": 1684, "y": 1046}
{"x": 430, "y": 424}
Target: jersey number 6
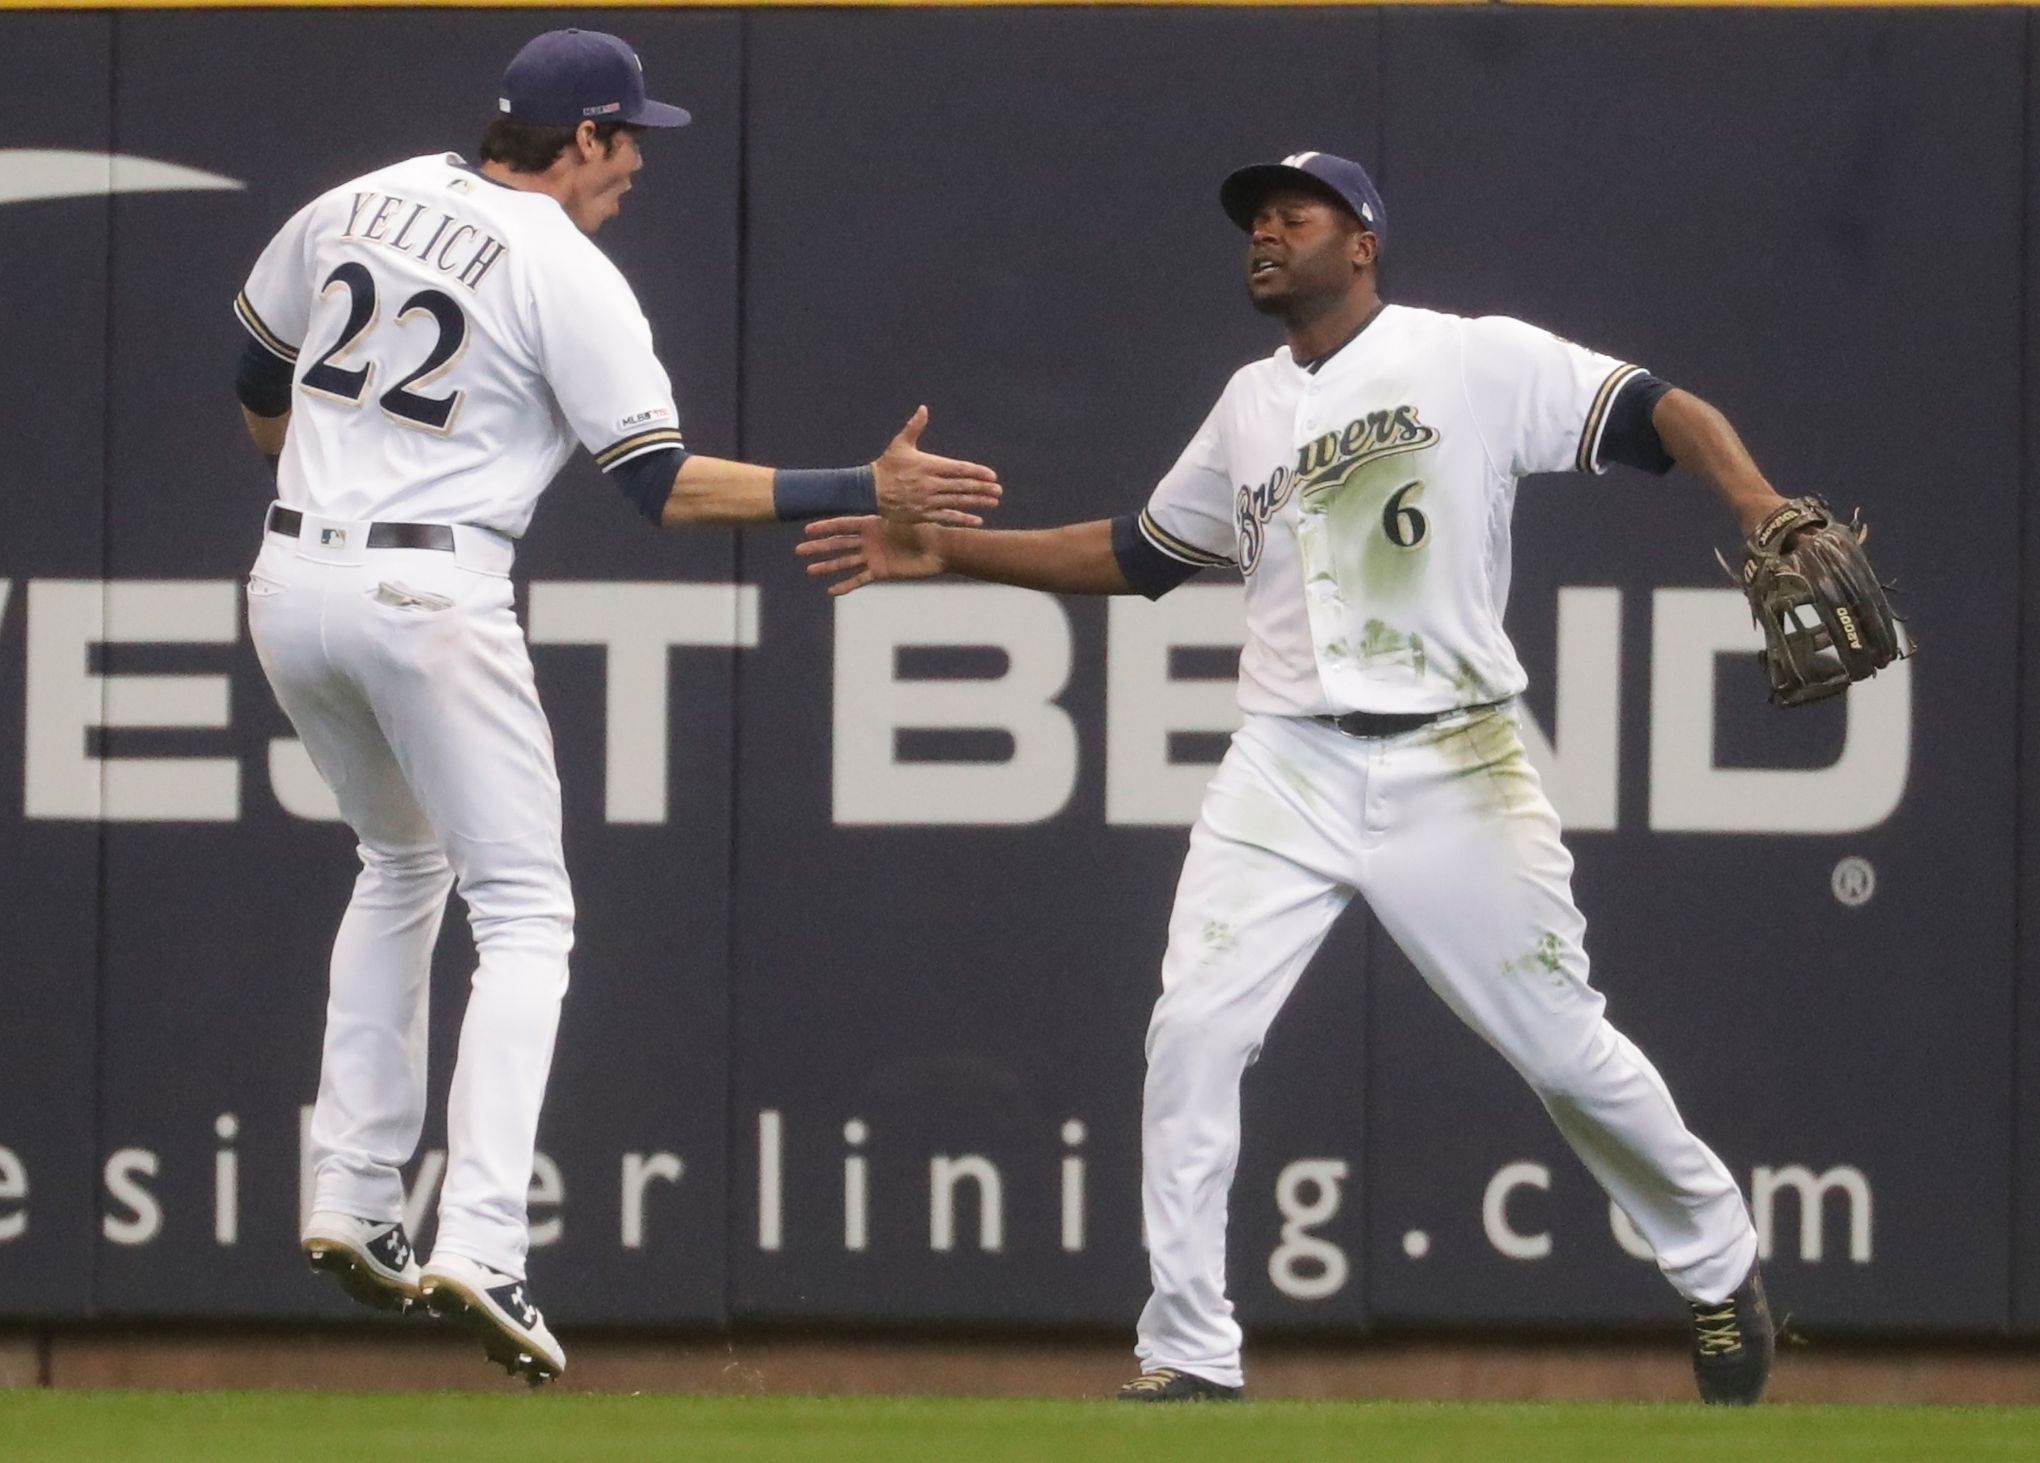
{"x": 1402, "y": 521}
{"x": 433, "y": 413}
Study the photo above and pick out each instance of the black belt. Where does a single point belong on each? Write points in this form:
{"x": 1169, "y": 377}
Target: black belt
{"x": 1393, "y": 723}
{"x": 290, "y": 523}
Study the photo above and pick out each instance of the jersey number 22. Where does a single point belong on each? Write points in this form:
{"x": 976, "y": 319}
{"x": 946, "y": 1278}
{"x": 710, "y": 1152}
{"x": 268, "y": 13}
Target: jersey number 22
{"x": 349, "y": 384}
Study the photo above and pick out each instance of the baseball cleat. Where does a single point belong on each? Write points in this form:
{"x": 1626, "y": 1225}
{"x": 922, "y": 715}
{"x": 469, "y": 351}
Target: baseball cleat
{"x": 499, "y": 1310}
{"x": 1733, "y": 1342}
{"x": 370, "y": 1258}
{"x": 1166, "y": 1384}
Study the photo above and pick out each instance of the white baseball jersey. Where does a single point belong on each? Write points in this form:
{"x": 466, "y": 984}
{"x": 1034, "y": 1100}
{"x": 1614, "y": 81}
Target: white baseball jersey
{"x": 1368, "y": 503}
{"x": 453, "y": 338}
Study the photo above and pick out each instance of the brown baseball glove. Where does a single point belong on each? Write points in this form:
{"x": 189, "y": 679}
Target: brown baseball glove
{"x": 1824, "y": 614}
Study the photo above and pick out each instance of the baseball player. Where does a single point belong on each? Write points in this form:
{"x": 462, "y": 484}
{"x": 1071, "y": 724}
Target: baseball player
{"x": 428, "y": 342}
{"x": 1361, "y": 479}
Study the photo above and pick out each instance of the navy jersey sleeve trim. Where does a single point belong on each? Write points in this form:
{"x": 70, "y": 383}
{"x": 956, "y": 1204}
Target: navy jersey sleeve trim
{"x": 1587, "y": 458}
{"x": 1165, "y": 542}
{"x": 1148, "y": 570}
{"x": 647, "y": 479}
{"x": 638, "y": 442}
{"x": 1631, "y": 436}
{"x": 275, "y": 344}
{"x": 262, "y": 380}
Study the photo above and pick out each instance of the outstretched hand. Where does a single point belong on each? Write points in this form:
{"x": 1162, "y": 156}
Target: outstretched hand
{"x": 854, "y": 552}
{"x": 919, "y": 487}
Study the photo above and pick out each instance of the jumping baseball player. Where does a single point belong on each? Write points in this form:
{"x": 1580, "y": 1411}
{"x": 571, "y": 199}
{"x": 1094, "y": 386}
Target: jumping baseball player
{"x": 428, "y": 343}
{"x": 1361, "y": 479}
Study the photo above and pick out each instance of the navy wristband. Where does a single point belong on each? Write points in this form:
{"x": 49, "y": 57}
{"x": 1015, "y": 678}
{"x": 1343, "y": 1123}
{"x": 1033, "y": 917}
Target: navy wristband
{"x": 823, "y": 492}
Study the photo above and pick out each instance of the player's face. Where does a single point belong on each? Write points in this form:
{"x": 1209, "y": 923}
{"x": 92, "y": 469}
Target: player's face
{"x": 1302, "y": 254}
{"x": 602, "y": 179}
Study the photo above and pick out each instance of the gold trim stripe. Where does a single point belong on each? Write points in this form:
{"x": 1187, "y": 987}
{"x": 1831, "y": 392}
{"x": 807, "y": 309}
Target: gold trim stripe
{"x": 270, "y": 341}
{"x": 616, "y": 452}
{"x": 1176, "y": 548}
{"x": 1597, "y": 416}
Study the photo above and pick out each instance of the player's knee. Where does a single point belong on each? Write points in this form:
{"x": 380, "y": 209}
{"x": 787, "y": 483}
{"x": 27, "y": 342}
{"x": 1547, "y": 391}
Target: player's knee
{"x": 1564, "y": 1076}
{"x": 1556, "y": 1086}
{"x": 1194, "y": 1031}
{"x": 534, "y": 914}
{"x": 425, "y": 865}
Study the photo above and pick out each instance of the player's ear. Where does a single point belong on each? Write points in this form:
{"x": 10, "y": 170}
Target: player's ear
{"x": 1366, "y": 248}
{"x": 585, "y": 146}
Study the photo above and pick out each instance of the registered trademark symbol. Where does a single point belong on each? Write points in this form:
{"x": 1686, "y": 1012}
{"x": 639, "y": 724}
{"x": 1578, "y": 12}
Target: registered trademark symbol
{"x": 1854, "y": 881}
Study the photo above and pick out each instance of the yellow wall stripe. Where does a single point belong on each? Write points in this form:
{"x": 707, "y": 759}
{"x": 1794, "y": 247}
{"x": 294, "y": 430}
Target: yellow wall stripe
{"x": 104, "y": 5}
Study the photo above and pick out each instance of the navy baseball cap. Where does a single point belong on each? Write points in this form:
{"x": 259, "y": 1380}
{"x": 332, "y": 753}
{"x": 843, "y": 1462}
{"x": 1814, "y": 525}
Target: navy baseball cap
{"x": 1343, "y": 180}
{"x": 566, "y": 77}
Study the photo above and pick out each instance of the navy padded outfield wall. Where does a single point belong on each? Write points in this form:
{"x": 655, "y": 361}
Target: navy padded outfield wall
{"x": 872, "y": 892}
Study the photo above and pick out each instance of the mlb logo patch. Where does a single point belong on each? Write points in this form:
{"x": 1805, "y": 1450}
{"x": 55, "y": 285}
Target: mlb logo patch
{"x": 333, "y": 538}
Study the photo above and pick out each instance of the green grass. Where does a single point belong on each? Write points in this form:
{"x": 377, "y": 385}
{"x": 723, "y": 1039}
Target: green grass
{"x": 116, "y": 1427}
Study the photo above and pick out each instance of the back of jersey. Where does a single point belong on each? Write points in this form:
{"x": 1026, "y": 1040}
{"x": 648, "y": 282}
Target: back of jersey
{"x": 451, "y": 338}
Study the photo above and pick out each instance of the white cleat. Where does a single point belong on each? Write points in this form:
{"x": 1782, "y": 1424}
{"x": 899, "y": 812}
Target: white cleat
{"x": 498, "y": 1308}
{"x": 371, "y": 1258}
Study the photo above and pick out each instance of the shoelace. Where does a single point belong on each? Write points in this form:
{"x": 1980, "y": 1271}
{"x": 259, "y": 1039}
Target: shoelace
{"x": 1152, "y": 1381}
{"x": 1715, "y": 1330}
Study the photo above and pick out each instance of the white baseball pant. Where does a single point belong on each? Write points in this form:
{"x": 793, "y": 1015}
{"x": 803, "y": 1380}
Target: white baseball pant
{"x": 407, "y": 678}
{"x": 1447, "y": 834}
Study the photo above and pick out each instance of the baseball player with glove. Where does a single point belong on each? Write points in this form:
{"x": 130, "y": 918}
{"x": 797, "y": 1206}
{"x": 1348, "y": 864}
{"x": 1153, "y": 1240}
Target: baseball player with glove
{"x": 427, "y": 344}
{"x": 1361, "y": 479}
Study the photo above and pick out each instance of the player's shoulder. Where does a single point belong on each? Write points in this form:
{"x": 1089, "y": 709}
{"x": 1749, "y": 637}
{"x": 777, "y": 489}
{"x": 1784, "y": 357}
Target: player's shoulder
{"x": 1420, "y": 323}
{"x": 1503, "y": 333}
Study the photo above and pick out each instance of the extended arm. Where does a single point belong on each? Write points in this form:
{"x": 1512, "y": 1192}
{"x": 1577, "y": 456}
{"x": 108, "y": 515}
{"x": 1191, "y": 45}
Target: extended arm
{"x": 672, "y": 487}
{"x": 1077, "y": 558}
{"x": 1700, "y": 439}
{"x": 1074, "y": 559}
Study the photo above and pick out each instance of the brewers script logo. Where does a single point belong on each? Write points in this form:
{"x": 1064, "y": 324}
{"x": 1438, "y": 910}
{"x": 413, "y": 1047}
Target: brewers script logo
{"x": 1324, "y": 465}
{"x": 32, "y": 174}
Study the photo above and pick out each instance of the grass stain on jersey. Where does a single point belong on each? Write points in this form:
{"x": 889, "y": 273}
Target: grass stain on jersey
{"x": 1351, "y": 564}
{"x": 1380, "y": 640}
{"x": 1468, "y": 681}
{"x": 1547, "y": 955}
{"x": 1342, "y": 527}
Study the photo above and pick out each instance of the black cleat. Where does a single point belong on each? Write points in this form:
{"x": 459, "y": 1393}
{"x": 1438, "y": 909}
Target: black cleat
{"x": 499, "y": 1310}
{"x": 1733, "y": 1342}
{"x": 1166, "y": 1384}
{"x": 370, "y": 1258}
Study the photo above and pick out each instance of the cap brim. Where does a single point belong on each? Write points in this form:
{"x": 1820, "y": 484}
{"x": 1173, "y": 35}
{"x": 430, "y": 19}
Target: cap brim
{"x": 659, "y": 114}
{"x": 1241, "y": 193}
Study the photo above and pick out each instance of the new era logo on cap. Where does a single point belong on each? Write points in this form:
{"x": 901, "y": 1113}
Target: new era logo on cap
{"x": 1342, "y": 179}
{"x": 564, "y": 77}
